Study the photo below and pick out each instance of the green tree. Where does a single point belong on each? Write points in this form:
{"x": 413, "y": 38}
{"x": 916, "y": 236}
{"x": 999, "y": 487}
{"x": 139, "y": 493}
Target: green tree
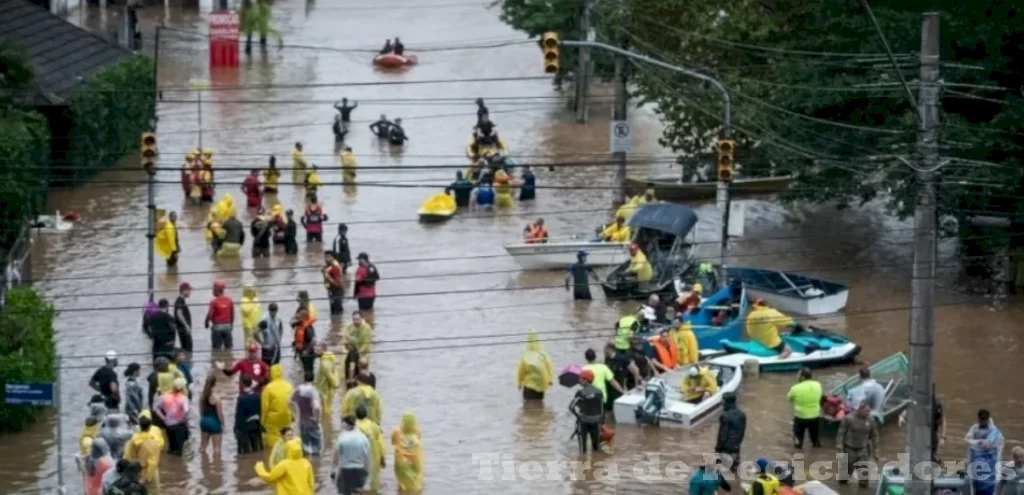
{"x": 28, "y": 351}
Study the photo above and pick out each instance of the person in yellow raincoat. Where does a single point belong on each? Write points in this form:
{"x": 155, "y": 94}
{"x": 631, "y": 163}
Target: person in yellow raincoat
{"x": 213, "y": 227}
{"x": 226, "y": 207}
{"x": 298, "y": 158}
{"x": 698, "y": 384}
{"x": 166, "y": 242}
{"x": 616, "y": 231}
{"x": 143, "y": 448}
{"x": 639, "y": 265}
{"x": 277, "y": 453}
{"x": 763, "y": 324}
{"x": 91, "y": 427}
{"x": 252, "y": 312}
{"x": 535, "y": 373}
{"x": 328, "y": 379}
{"x": 365, "y": 395}
{"x": 348, "y": 166}
{"x": 155, "y": 432}
{"x": 292, "y": 476}
{"x": 208, "y": 156}
{"x": 275, "y": 409}
{"x": 408, "y": 459}
{"x": 686, "y": 342}
{"x": 502, "y": 190}
{"x": 311, "y": 184}
{"x": 376, "y": 437}
{"x": 271, "y": 177}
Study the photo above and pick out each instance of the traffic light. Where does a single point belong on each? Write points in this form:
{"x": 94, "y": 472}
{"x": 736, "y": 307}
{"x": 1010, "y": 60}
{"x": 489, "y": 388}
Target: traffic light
{"x": 726, "y": 158}
{"x": 550, "y": 44}
{"x": 149, "y": 151}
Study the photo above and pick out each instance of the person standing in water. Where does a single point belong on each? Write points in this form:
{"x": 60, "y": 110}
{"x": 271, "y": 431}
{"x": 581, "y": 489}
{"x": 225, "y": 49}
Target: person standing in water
{"x": 269, "y": 335}
{"x": 313, "y": 220}
{"x": 528, "y": 190}
{"x": 104, "y": 381}
{"x": 382, "y": 127}
{"x": 365, "y": 287}
{"x": 248, "y": 433}
{"x": 351, "y": 458}
{"x": 334, "y": 281}
{"x": 252, "y": 189}
{"x": 271, "y": 176}
{"x": 172, "y": 224}
{"x": 183, "y": 316}
{"x": 305, "y": 402}
{"x": 345, "y": 111}
{"x": 462, "y": 189}
{"x": 291, "y": 233}
{"x": 396, "y": 134}
{"x": 220, "y": 317}
{"x": 580, "y": 273}
{"x": 342, "y": 253}
{"x": 261, "y": 234}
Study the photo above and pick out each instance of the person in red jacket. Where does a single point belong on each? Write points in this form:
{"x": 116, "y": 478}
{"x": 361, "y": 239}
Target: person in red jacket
{"x": 220, "y": 317}
{"x": 252, "y": 366}
{"x": 253, "y": 190}
{"x": 334, "y": 282}
{"x": 313, "y": 220}
{"x": 366, "y": 283}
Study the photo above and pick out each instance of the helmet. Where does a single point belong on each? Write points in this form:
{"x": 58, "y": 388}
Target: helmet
{"x": 219, "y": 285}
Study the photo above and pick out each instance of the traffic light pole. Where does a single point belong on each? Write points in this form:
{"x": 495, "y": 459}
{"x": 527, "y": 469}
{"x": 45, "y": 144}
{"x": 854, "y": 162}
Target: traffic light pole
{"x": 583, "y": 69}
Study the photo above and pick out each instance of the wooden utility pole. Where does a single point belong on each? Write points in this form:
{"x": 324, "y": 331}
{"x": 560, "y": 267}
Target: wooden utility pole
{"x": 922, "y": 317}
{"x": 583, "y": 69}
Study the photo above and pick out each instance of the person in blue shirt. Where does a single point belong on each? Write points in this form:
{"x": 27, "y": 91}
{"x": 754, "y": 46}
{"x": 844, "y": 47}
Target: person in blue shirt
{"x": 707, "y": 480}
{"x": 484, "y": 196}
{"x": 528, "y": 191}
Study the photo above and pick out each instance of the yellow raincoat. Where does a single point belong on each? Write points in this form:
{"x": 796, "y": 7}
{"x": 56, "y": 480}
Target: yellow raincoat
{"x": 376, "y": 437}
{"x": 627, "y": 209}
{"x": 639, "y": 265}
{"x": 312, "y": 182}
{"x": 763, "y": 325}
{"x": 252, "y": 312}
{"x": 85, "y": 438}
{"x": 615, "y": 233}
{"x": 270, "y": 180}
{"x": 155, "y": 432}
{"x": 145, "y": 449}
{"x": 535, "y": 369}
{"x": 226, "y": 207}
{"x": 365, "y": 395}
{"x": 328, "y": 378}
{"x": 166, "y": 241}
{"x": 165, "y": 380}
{"x": 408, "y": 459}
{"x": 278, "y": 454}
{"x": 213, "y": 225}
{"x": 298, "y": 159}
{"x": 686, "y": 341}
{"x": 275, "y": 410}
{"x": 360, "y": 336}
{"x": 692, "y": 386}
{"x": 292, "y": 476}
{"x": 348, "y": 167}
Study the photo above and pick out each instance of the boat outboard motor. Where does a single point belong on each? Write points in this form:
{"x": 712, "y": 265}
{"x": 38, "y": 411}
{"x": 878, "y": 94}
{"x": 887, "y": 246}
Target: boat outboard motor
{"x": 654, "y": 401}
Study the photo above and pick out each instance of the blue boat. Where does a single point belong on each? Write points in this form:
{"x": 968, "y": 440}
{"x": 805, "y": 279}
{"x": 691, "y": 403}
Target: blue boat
{"x": 792, "y": 292}
{"x": 710, "y": 336}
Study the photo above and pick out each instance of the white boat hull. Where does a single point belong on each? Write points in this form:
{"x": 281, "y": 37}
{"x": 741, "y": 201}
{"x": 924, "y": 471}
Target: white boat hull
{"x": 559, "y": 255}
{"x": 811, "y": 306}
{"x": 51, "y": 224}
{"x": 677, "y": 413}
{"x": 795, "y": 361}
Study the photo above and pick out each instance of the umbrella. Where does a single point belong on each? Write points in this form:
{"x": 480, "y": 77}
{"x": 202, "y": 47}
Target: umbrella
{"x": 570, "y": 376}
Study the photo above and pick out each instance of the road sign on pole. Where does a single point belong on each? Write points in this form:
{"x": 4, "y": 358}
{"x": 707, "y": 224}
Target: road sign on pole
{"x": 621, "y": 137}
{"x": 29, "y": 394}
{"x": 224, "y": 28}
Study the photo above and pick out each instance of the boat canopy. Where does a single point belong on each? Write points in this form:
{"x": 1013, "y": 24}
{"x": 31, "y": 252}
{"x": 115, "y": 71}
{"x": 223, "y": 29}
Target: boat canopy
{"x": 670, "y": 218}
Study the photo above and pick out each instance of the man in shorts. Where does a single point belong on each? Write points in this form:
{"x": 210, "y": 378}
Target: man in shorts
{"x": 351, "y": 458}
{"x": 220, "y": 317}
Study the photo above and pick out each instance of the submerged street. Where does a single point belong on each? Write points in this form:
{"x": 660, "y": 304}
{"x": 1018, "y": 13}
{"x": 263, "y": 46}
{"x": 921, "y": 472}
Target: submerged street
{"x": 453, "y": 309}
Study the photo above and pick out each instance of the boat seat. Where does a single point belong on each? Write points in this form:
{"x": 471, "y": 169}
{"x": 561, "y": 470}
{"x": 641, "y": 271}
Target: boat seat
{"x": 799, "y": 289}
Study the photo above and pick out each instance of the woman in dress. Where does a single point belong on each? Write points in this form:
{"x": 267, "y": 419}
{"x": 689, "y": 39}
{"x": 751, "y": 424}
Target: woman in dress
{"x": 211, "y": 421}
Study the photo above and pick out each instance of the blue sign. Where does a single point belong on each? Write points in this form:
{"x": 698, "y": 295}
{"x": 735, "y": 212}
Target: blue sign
{"x": 29, "y": 394}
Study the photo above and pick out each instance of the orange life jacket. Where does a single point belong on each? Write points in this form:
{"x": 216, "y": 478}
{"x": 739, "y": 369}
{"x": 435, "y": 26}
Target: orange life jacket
{"x": 667, "y": 355}
{"x": 300, "y": 332}
{"x": 535, "y": 233}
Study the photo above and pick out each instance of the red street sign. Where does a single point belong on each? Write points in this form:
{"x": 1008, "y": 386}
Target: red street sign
{"x": 224, "y": 25}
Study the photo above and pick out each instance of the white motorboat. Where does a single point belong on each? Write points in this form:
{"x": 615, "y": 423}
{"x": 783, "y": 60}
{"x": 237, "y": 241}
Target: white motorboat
{"x": 51, "y": 224}
{"x": 558, "y": 254}
{"x": 792, "y": 292}
{"x": 675, "y": 412}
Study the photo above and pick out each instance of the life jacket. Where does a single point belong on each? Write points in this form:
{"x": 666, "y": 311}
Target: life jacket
{"x": 769, "y": 485}
{"x": 628, "y": 325}
{"x": 535, "y": 233}
{"x": 314, "y": 214}
{"x": 300, "y": 332}
{"x": 668, "y": 356}
{"x": 327, "y": 281}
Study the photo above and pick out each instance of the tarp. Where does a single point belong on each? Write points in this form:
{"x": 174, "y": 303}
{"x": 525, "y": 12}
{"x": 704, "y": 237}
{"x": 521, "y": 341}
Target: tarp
{"x": 670, "y": 218}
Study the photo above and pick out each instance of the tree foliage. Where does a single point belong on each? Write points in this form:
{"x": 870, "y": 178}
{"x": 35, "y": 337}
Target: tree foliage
{"x": 28, "y": 351}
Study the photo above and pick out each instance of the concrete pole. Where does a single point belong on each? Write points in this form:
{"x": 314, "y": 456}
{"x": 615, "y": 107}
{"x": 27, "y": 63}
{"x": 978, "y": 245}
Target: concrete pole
{"x": 619, "y": 114}
{"x": 922, "y": 318}
{"x": 61, "y": 488}
{"x": 583, "y": 67}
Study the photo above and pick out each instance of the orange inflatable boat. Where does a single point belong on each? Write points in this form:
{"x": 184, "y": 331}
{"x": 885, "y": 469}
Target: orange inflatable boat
{"x": 392, "y": 61}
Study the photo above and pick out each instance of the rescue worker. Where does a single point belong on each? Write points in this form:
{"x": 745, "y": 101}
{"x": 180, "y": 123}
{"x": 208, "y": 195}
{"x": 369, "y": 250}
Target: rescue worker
{"x": 233, "y": 238}
{"x": 348, "y": 166}
{"x": 275, "y": 412}
{"x": 484, "y": 195}
{"x": 278, "y": 451}
{"x": 328, "y": 379}
{"x": 186, "y": 173}
{"x": 535, "y": 232}
{"x": 580, "y": 273}
{"x": 603, "y": 376}
{"x": 341, "y": 251}
{"x": 220, "y": 317}
{"x": 528, "y": 189}
{"x": 408, "y": 460}
{"x": 638, "y": 264}
{"x": 805, "y": 397}
{"x": 311, "y": 183}
{"x": 313, "y": 219}
{"x": 278, "y": 223}
{"x": 588, "y": 408}
{"x": 362, "y": 394}
{"x": 269, "y": 335}
{"x": 666, "y": 351}
{"x": 305, "y": 401}
{"x": 763, "y": 325}
{"x": 857, "y": 440}
{"x": 298, "y": 158}
{"x": 304, "y": 338}
{"x": 625, "y": 329}
{"x": 365, "y": 287}
{"x": 252, "y": 312}
{"x": 271, "y": 177}
{"x": 357, "y": 339}
{"x": 503, "y": 189}
{"x": 291, "y": 233}
{"x": 376, "y": 437}
{"x": 207, "y": 190}
{"x": 732, "y": 427}
{"x": 616, "y": 231}
{"x": 686, "y": 342}
{"x": 698, "y": 384}
{"x": 398, "y": 48}
{"x": 166, "y": 243}
{"x": 765, "y": 483}
{"x": 262, "y": 231}
{"x": 382, "y": 127}
{"x": 396, "y": 134}
{"x": 461, "y": 189}
{"x": 334, "y": 282}
{"x": 345, "y": 111}
{"x": 387, "y": 47}
{"x": 691, "y": 300}
{"x": 252, "y": 189}
{"x": 144, "y": 448}
{"x": 535, "y": 373}
{"x": 292, "y": 476}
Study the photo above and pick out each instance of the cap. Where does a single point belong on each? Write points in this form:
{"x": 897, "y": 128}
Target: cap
{"x": 762, "y": 462}
{"x": 694, "y": 371}
{"x": 184, "y": 286}
{"x": 219, "y": 284}
{"x": 580, "y": 254}
{"x": 111, "y": 355}
{"x": 363, "y": 256}
{"x": 587, "y": 376}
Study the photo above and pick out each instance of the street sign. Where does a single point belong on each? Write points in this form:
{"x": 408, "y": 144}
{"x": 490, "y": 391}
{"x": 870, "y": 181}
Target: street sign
{"x": 29, "y": 394}
{"x": 224, "y": 25}
{"x": 737, "y": 218}
{"x": 621, "y": 137}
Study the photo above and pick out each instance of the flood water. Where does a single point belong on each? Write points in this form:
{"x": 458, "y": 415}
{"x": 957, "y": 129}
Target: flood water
{"x": 451, "y": 325}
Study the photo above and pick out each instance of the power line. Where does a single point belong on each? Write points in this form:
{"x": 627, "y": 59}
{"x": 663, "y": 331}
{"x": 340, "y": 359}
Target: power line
{"x": 375, "y": 51}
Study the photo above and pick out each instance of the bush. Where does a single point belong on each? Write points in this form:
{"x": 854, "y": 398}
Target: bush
{"x": 24, "y": 155}
{"x": 108, "y": 113}
{"x": 27, "y": 351}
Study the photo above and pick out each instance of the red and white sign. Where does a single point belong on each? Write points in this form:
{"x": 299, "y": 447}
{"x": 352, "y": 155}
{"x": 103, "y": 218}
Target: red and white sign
{"x": 224, "y": 25}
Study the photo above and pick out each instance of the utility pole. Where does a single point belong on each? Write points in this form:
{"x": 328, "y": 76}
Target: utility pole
{"x": 619, "y": 115}
{"x": 922, "y": 318}
{"x": 583, "y": 69}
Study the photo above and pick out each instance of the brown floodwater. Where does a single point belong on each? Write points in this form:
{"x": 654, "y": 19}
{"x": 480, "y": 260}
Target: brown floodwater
{"x": 465, "y": 397}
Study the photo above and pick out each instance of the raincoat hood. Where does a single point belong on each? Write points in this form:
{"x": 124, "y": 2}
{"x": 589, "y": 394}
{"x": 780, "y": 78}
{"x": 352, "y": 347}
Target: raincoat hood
{"x": 98, "y": 412}
{"x": 293, "y": 449}
{"x": 533, "y": 342}
{"x": 328, "y": 356}
{"x": 409, "y": 424}
{"x": 98, "y": 450}
{"x": 277, "y": 374}
{"x": 276, "y": 210}
{"x": 248, "y": 291}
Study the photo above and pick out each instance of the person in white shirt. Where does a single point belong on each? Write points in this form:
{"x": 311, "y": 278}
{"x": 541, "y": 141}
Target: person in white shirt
{"x": 869, "y": 391}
